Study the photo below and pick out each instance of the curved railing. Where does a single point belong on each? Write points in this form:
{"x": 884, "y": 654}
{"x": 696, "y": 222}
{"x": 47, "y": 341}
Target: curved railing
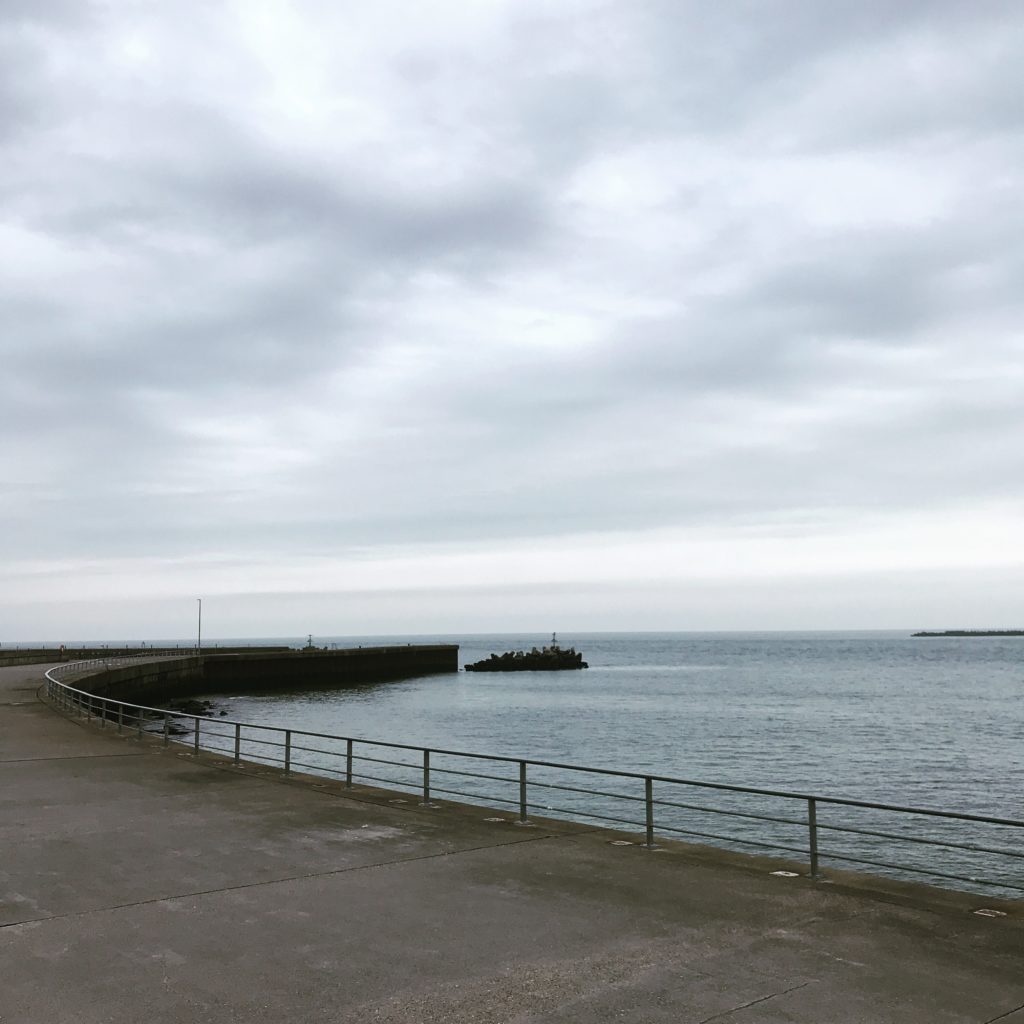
{"x": 770, "y": 821}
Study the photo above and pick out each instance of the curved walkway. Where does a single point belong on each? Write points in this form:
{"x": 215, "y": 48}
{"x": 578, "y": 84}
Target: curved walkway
{"x": 142, "y": 884}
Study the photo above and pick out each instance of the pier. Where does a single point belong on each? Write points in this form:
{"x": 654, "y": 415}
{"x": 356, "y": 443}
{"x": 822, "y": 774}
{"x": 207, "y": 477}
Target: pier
{"x": 143, "y": 882}
{"x": 150, "y": 679}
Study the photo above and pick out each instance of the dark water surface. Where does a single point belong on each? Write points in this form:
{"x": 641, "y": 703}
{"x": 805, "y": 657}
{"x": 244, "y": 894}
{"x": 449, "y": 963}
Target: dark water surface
{"x": 882, "y": 717}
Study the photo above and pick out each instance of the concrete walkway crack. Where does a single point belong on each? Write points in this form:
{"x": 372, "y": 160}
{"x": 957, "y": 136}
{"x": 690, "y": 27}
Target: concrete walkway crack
{"x": 1003, "y": 1016}
{"x": 278, "y": 881}
{"x": 72, "y": 757}
{"x": 754, "y": 1002}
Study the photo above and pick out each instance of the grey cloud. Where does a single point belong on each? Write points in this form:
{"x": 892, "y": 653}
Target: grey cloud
{"x": 723, "y": 69}
{"x": 183, "y": 265}
{"x": 56, "y": 13}
{"x": 17, "y": 100}
{"x": 256, "y": 200}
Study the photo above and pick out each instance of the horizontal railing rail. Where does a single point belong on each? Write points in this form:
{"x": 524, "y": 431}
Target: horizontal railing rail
{"x": 993, "y": 844}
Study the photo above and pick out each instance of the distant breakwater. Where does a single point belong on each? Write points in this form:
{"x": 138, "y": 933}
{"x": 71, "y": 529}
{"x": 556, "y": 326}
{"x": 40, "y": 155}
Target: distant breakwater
{"x": 971, "y": 632}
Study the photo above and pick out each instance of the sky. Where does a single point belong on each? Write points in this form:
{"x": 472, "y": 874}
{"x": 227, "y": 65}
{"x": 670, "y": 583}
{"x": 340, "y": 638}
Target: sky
{"x": 457, "y": 317}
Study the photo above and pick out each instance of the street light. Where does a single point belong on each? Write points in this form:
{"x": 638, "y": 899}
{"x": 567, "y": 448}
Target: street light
{"x": 199, "y": 633}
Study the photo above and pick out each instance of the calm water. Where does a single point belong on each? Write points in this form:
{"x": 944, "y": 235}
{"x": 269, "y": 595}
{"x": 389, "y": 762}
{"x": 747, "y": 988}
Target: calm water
{"x": 875, "y": 716}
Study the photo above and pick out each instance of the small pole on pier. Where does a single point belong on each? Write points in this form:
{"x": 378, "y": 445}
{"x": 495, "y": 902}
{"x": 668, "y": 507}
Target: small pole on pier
{"x": 522, "y": 792}
{"x": 287, "y": 751}
{"x": 812, "y": 827}
{"x": 426, "y": 778}
{"x": 238, "y": 742}
{"x": 649, "y": 803}
{"x": 348, "y": 765}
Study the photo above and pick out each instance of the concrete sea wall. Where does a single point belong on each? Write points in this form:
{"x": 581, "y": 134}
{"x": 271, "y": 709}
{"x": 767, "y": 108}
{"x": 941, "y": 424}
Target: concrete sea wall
{"x": 150, "y": 682}
{"x": 305, "y": 670}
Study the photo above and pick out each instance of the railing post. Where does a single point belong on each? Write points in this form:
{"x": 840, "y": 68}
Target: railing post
{"x": 812, "y": 828}
{"x": 120, "y": 717}
{"x": 522, "y": 792}
{"x": 348, "y": 765}
{"x": 649, "y": 804}
{"x": 287, "y": 751}
{"x": 426, "y": 778}
{"x": 103, "y": 712}
{"x": 238, "y": 742}
{"x": 167, "y": 728}
{"x": 196, "y": 747}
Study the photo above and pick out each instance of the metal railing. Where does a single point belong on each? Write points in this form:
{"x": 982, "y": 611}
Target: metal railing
{"x": 92, "y": 665}
{"x": 768, "y": 821}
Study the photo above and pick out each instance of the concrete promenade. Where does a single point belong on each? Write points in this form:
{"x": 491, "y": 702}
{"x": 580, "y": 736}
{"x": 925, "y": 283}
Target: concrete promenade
{"x": 138, "y": 884}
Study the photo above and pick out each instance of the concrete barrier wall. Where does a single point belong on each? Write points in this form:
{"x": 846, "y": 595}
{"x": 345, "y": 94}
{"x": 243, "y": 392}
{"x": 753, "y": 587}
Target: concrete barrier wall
{"x": 305, "y": 670}
{"x": 151, "y": 682}
{"x": 148, "y": 682}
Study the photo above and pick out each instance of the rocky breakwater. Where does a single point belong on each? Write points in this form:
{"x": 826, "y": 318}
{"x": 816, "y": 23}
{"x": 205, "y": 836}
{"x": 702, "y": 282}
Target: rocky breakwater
{"x": 548, "y": 659}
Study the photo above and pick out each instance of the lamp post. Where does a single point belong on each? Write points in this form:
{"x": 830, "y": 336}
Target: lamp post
{"x": 199, "y": 633}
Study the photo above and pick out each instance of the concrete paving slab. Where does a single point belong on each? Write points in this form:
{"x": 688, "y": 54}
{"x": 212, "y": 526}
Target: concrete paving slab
{"x": 136, "y": 884}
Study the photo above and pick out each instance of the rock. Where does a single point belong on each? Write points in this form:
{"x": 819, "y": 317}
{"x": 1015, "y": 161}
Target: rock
{"x": 550, "y": 659}
{"x": 192, "y": 707}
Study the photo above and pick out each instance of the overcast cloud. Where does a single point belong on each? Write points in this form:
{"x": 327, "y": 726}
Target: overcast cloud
{"x": 441, "y": 316}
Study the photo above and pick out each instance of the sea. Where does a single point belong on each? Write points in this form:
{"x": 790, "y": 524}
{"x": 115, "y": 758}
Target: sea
{"x": 883, "y": 717}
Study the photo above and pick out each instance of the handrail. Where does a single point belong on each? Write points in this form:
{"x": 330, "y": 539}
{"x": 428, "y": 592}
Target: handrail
{"x": 71, "y": 698}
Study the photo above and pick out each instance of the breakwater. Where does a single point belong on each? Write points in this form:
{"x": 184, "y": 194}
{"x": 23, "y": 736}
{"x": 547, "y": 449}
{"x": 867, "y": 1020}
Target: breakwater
{"x": 267, "y": 671}
{"x": 971, "y": 632}
{"x": 254, "y": 671}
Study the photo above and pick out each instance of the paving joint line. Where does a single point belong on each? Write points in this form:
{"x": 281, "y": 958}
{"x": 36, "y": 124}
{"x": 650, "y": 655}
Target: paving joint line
{"x": 279, "y": 881}
{"x": 1003, "y": 1016}
{"x": 71, "y": 757}
{"x": 754, "y": 1002}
